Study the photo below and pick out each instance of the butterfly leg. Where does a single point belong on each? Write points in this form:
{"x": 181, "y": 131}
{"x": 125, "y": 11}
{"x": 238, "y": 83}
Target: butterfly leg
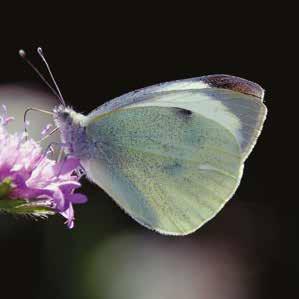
{"x": 61, "y": 160}
{"x": 25, "y": 117}
{"x": 48, "y": 135}
{"x": 49, "y": 149}
{"x": 80, "y": 172}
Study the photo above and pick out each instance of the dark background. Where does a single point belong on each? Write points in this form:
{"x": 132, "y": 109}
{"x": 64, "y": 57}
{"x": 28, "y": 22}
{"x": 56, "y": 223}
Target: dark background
{"x": 100, "y": 52}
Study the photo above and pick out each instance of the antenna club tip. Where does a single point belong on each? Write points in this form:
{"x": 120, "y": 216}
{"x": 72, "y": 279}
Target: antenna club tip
{"x": 39, "y": 50}
{"x": 22, "y": 53}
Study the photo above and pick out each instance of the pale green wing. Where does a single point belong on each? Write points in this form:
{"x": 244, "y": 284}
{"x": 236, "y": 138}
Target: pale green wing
{"x": 171, "y": 169}
{"x": 235, "y": 103}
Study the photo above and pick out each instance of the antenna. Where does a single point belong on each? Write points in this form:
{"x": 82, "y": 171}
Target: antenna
{"x": 23, "y": 55}
{"x": 41, "y": 54}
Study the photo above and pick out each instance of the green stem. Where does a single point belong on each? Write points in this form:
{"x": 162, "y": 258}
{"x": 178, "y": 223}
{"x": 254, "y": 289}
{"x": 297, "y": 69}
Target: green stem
{"x": 19, "y": 206}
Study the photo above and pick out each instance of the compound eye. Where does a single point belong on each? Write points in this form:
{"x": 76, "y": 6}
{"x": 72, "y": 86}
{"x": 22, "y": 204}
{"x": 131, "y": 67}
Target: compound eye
{"x": 64, "y": 115}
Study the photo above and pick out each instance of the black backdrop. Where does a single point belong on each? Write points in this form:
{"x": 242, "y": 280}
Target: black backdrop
{"x": 99, "y": 53}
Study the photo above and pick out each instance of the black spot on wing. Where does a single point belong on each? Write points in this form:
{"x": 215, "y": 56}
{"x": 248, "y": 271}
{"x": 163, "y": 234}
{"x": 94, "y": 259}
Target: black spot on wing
{"x": 235, "y": 84}
{"x": 174, "y": 168}
{"x": 184, "y": 114}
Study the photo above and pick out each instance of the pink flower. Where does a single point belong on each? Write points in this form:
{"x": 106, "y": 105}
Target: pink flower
{"x": 38, "y": 185}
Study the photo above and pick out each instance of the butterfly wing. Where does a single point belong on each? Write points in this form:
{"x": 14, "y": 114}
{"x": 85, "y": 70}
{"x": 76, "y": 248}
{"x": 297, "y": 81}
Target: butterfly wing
{"x": 235, "y": 103}
{"x": 172, "y": 155}
{"x": 170, "y": 170}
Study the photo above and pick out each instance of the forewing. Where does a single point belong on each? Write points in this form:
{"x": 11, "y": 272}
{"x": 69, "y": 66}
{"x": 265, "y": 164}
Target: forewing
{"x": 235, "y": 103}
{"x": 171, "y": 169}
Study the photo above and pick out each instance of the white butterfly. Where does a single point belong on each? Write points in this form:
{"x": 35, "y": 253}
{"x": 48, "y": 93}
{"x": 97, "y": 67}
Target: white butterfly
{"x": 171, "y": 155}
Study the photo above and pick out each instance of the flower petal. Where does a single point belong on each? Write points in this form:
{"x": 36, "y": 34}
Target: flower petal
{"x": 46, "y": 129}
{"x": 35, "y": 177}
{"x": 69, "y": 186}
{"x": 77, "y": 198}
{"x": 66, "y": 166}
{"x": 69, "y": 215}
{"x": 61, "y": 203}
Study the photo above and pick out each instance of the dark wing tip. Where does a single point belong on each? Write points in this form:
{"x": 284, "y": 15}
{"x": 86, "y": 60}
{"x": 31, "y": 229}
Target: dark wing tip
{"x": 235, "y": 84}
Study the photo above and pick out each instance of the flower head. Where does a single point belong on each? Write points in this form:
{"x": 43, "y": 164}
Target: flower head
{"x": 31, "y": 182}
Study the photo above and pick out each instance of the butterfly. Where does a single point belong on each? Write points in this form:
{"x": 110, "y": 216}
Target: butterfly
{"x": 170, "y": 155}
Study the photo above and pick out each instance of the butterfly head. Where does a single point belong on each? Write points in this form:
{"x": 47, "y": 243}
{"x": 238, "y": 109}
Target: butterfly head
{"x": 72, "y": 129}
{"x": 67, "y": 117}
{"x": 63, "y": 115}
